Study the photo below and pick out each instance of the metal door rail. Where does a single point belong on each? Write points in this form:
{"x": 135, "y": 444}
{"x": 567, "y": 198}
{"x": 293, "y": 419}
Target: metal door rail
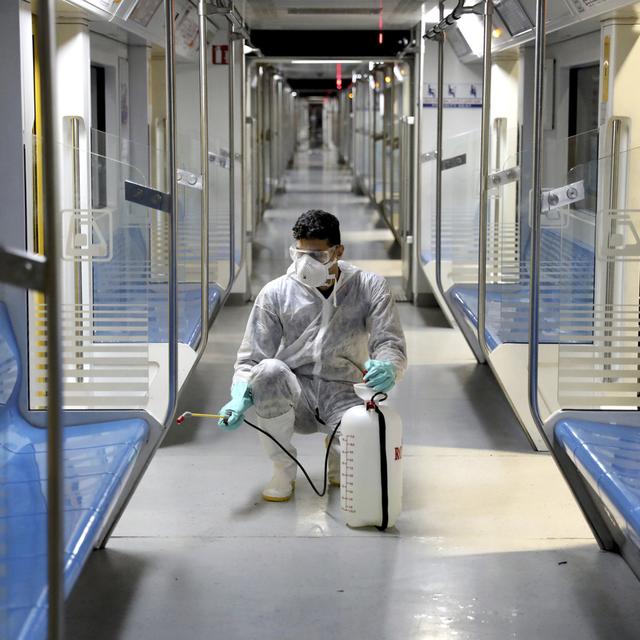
{"x": 582, "y": 497}
{"x": 447, "y": 22}
{"x": 204, "y": 168}
{"x": 485, "y": 129}
{"x": 437, "y": 33}
{"x": 47, "y": 54}
{"x": 170, "y": 80}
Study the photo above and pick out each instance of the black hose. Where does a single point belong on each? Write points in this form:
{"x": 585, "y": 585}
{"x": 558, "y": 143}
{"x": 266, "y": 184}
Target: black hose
{"x": 304, "y": 471}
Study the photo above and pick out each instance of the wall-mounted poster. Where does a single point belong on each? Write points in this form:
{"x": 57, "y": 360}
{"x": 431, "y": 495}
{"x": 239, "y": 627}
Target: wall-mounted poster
{"x": 456, "y": 95}
{"x": 144, "y": 11}
{"x": 187, "y": 30}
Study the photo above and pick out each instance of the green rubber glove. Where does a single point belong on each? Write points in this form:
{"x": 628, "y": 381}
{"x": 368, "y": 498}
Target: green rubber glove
{"x": 240, "y": 401}
{"x": 381, "y": 375}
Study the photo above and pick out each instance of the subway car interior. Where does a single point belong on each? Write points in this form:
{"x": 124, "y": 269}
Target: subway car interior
{"x": 479, "y": 157}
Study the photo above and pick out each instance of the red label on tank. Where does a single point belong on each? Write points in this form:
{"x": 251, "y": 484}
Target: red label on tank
{"x": 398, "y": 455}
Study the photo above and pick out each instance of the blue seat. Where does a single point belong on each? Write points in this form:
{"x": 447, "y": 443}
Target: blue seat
{"x": 566, "y": 290}
{"x": 97, "y": 460}
{"x": 188, "y": 313}
{"x": 129, "y": 282}
{"x": 608, "y": 456}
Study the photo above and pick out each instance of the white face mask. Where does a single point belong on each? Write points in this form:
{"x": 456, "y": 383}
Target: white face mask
{"x": 312, "y": 272}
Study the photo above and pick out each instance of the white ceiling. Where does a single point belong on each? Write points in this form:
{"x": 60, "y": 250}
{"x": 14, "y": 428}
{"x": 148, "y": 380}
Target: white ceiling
{"x": 332, "y": 14}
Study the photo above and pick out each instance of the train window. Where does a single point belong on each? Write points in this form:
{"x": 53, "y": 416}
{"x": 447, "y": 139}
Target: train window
{"x": 583, "y": 130}
{"x": 98, "y": 138}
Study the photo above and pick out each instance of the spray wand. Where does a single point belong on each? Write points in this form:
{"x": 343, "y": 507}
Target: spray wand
{"x": 188, "y": 414}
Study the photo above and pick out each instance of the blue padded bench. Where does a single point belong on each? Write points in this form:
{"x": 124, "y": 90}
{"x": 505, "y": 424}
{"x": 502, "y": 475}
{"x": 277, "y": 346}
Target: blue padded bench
{"x": 507, "y": 313}
{"x": 126, "y": 282}
{"x": 156, "y": 300}
{"x": 507, "y": 305}
{"x": 608, "y": 456}
{"x": 97, "y": 460}
{"x": 188, "y": 314}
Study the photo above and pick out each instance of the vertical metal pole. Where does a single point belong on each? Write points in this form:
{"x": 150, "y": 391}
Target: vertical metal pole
{"x": 536, "y": 212}
{"x": 417, "y": 133}
{"x": 170, "y": 69}
{"x": 598, "y": 527}
{"x": 204, "y": 163}
{"x": 75, "y": 176}
{"x": 439, "y": 132}
{"x": 46, "y": 43}
{"x": 77, "y": 263}
{"x": 612, "y": 205}
{"x": 485, "y": 132}
{"x": 244, "y": 153}
{"x": 232, "y": 166}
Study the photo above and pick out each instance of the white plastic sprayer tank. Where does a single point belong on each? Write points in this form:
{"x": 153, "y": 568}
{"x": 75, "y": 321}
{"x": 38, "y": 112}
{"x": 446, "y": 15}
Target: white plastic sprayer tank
{"x": 362, "y": 474}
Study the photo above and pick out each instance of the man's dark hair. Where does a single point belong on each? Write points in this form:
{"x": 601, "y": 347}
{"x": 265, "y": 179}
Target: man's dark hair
{"x": 316, "y": 224}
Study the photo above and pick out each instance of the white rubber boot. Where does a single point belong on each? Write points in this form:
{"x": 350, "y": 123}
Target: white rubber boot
{"x": 333, "y": 467}
{"x": 283, "y": 482}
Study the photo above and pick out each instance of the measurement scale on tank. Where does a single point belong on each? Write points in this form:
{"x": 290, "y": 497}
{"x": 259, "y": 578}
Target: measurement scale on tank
{"x": 346, "y": 473}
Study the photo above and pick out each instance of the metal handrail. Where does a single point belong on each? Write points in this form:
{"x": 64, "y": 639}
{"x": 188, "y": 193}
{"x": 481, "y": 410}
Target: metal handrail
{"x": 204, "y": 163}
{"x": 534, "y": 279}
{"x": 232, "y": 167}
{"x": 47, "y": 50}
{"x": 418, "y": 99}
{"x": 170, "y": 70}
{"x": 612, "y": 205}
{"x": 439, "y": 132}
{"x": 536, "y": 213}
{"x": 447, "y": 22}
{"x": 484, "y": 173}
{"x": 244, "y": 156}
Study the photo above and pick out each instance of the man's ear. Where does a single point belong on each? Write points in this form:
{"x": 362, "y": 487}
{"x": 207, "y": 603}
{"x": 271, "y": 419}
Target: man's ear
{"x": 340, "y": 251}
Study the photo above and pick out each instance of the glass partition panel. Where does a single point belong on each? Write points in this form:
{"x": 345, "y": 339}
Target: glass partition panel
{"x": 379, "y": 108}
{"x": 219, "y": 222}
{"x": 460, "y": 196}
{"x": 566, "y": 266}
{"x": 507, "y": 291}
{"x": 389, "y": 137}
{"x": 114, "y": 275}
{"x": 189, "y": 195}
{"x": 397, "y": 82}
{"x": 598, "y": 360}
{"x": 189, "y": 256}
{"x": 360, "y": 130}
{"x": 428, "y": 176}
{"x": 395, "y": 186}
{"x": 367, "y": 125}
{"x": 220, "y": 241}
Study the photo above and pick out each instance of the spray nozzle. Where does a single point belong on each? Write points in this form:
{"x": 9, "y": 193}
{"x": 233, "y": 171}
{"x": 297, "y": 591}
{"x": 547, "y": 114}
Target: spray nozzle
{"x": 188, "y": 414}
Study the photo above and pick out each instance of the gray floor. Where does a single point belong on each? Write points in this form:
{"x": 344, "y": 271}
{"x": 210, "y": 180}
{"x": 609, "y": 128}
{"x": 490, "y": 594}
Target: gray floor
{"x": 489, "y": 545}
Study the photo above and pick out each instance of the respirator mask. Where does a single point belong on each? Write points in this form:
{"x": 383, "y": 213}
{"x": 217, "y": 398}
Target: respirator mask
{"x": 312, "y": 267}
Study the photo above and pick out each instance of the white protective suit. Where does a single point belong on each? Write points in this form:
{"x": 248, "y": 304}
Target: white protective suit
{"x": 305, "y": 351}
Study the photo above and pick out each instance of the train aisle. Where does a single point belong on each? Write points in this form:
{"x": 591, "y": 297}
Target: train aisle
{"x": 490, "y": 544}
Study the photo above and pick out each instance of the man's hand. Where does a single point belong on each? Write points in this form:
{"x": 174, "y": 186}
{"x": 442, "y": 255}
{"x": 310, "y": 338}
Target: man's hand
{"x": 234, "y": 409}
{"x": 380, "y": 375}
